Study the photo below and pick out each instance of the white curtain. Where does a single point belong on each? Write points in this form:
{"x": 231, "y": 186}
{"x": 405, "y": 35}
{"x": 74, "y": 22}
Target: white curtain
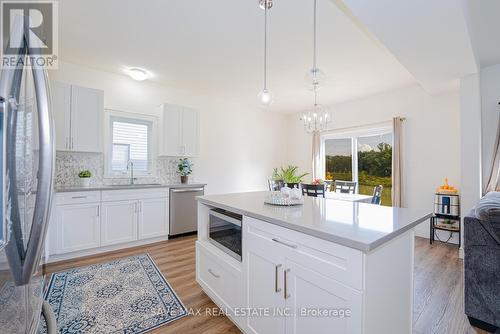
{"x": 397, "y": 163}
{"x": 316, "y": 155}
{"x": 494, "y": 179}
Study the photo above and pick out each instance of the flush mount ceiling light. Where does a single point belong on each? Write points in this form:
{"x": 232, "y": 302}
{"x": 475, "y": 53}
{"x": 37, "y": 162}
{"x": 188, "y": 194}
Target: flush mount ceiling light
{"x": 138, "y": 74}
{"x": 265, "y": 96}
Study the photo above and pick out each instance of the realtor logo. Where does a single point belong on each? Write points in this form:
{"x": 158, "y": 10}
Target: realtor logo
{"x": 29, "y": 27}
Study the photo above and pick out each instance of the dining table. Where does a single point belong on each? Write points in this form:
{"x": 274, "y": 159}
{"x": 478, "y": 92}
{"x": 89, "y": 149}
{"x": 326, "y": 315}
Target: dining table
{"x": 348, "y": 197}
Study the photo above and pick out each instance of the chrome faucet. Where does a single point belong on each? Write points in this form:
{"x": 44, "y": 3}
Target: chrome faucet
{"x": 130, "y": 166}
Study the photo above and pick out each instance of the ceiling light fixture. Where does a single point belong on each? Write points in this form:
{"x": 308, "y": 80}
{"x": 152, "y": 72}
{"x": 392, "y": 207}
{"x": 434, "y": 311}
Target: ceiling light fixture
{"x": 316, "y": 120}
{"x": 138, "y": 73}
{"x": 265, "y": 96}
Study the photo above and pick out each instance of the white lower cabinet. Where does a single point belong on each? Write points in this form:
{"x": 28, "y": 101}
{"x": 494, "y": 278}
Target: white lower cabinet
{"x": 77, "y": 227}
{"x": 119, "y": 222}
{"x": 320, "y": 303}
{"x": 90, "y": 222}
{"x": 153, "y": 218}
{"x": 264, "y": 285}
{"x": 282, "y": 275}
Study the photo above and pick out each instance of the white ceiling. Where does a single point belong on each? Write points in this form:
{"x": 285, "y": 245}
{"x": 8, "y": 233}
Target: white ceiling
{"x": 485, "y": 30}
{"x": 215, "y": 48}
{"x": 429, "y": 37}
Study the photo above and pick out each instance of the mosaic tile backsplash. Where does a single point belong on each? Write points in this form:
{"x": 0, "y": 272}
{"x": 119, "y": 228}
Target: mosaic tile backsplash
{"x": 69, "y": 164}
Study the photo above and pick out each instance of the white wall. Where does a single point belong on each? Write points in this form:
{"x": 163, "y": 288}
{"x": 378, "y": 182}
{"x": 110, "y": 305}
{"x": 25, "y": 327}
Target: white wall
{"x": 431, "y": 143}
{"x": 490, "y": 111}
{"x": 470, "y": 121}
{"x": 238, "y": 144}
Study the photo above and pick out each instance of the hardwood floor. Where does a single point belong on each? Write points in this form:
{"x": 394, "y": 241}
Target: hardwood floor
{"x": 438, "y": 299}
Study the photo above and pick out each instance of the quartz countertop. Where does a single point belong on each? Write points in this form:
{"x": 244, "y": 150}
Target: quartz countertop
{"x": 123, "y": 187}
{"x": 361, "y": 226}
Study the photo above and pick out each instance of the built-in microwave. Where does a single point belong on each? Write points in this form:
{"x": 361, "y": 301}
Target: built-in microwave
{"x": 224, "y": 231}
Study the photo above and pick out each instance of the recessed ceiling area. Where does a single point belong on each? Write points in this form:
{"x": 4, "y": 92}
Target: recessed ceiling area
{"x": 216, "y": 48}
{"x": 485, "y": 28}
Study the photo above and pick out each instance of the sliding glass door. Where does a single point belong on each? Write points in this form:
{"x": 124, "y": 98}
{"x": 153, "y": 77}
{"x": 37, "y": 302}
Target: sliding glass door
{"x": 338, "y": 159}
{"x": 363, "y": 156}
{"x": 375, "y": 165}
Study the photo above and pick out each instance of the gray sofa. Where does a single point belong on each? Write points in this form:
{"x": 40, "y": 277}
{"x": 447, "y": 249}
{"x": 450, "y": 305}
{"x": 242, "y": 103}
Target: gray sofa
{"x": 482, "y": 263}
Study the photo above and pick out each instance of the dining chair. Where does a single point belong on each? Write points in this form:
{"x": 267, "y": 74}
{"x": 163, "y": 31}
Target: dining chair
{"x": 377, "y": 195}
{"x": 345, "y": 187}
{"x": 313, "y": 190}
{"x": 328, "y": 185}
{"x": 275, "y": 185}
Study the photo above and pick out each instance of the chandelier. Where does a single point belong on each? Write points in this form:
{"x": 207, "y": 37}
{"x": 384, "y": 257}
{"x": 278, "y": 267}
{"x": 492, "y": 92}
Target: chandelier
{"x": 316, "y": 119}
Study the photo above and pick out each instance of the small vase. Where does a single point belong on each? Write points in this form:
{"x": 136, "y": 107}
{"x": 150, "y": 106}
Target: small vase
{"x": 184, "y": 179}
{"x": 85, "y": 182}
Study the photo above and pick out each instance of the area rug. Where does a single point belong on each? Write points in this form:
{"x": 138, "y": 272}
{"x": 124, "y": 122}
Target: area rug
{"x": 128, "y": 295}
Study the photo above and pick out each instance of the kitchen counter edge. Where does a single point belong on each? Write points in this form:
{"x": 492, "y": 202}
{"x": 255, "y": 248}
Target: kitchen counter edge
{"x": 361, "y": 246}
{"x": 128, "y": 187}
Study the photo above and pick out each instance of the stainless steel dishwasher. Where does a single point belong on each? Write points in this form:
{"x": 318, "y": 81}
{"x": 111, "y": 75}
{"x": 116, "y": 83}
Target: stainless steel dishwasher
{"x": 184, "y": 209}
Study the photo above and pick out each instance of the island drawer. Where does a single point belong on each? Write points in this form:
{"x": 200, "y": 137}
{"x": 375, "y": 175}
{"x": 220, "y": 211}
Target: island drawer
{"x": 223, "y": 280}
{"x": 332, "y": 260}
{"x": 79, "y": 197}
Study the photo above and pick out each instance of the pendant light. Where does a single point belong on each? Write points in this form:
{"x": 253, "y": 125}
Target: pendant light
{"x": 265, "y": 96}
{"x": 316, "y": 120}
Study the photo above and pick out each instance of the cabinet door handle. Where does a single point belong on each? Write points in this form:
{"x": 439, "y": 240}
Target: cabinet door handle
{"x": 78, "y": 197}
{"x": 277, "y": 289}
{"x": 213, "y": 274}
{"x": 98, "y": 211}
{"x": 72, "y": 146}
{"x": 286, "y": 295}
{"x": 284, "y": 243}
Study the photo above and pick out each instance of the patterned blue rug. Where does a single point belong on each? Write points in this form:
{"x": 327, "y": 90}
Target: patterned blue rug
{"x": 123, "y": 296}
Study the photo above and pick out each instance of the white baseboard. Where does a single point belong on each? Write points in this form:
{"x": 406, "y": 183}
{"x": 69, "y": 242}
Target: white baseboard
{"x": 95, "y": 251}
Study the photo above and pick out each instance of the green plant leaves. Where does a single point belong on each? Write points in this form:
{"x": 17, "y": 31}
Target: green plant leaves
{"x": 288, "y": 174}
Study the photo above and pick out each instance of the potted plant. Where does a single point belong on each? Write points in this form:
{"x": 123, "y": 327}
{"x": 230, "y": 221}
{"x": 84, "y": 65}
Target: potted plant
{"x": 288, "y": 175}
{"x": 185, "y": 168}
{"x": 85, "y": 176}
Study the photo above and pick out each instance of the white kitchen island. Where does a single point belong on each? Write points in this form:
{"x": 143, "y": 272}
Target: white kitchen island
{"x": 327, "y": 266}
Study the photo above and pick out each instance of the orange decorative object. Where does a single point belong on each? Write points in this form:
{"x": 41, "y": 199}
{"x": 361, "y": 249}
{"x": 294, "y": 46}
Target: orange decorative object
{"x": 446, "y": 188}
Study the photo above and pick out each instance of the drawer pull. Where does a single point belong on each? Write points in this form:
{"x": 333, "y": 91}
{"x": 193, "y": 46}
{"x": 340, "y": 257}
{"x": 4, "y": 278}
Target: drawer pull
{"x": 284, "y": 243}
{"x": 78, "y": 197}
{"x": 286, "y": 295}
{"x": 213, "y": 274}
{"x": 277, "y": 289}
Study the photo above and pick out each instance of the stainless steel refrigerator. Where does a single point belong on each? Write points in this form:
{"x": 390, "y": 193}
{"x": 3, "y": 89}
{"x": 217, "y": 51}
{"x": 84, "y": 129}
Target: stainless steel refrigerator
{"x": 27, "y": 166}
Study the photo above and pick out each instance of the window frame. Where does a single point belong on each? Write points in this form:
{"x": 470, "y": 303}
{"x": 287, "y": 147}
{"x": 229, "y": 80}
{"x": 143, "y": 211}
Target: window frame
{"x": 117, "y": 115}
{"x": 353, "y": 134}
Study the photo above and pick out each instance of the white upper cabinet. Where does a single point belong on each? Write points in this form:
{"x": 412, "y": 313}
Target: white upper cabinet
{"x": 78, "y": 115}
{"x": 180, "y": 131}
{"x": 61, "y": 106}
{"x": 87, "y": 117}
{"x": 190, "y": 132}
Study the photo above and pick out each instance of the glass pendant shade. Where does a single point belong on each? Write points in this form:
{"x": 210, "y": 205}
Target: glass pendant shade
{"x": 263, "y": 3}
{"x": 315, "y": 78}
{"x": 266, "y": 97}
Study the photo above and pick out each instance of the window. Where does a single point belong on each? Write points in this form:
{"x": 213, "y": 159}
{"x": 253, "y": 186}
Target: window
{"x": 363, "y": 156}
{"x": 130, "y": 142}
